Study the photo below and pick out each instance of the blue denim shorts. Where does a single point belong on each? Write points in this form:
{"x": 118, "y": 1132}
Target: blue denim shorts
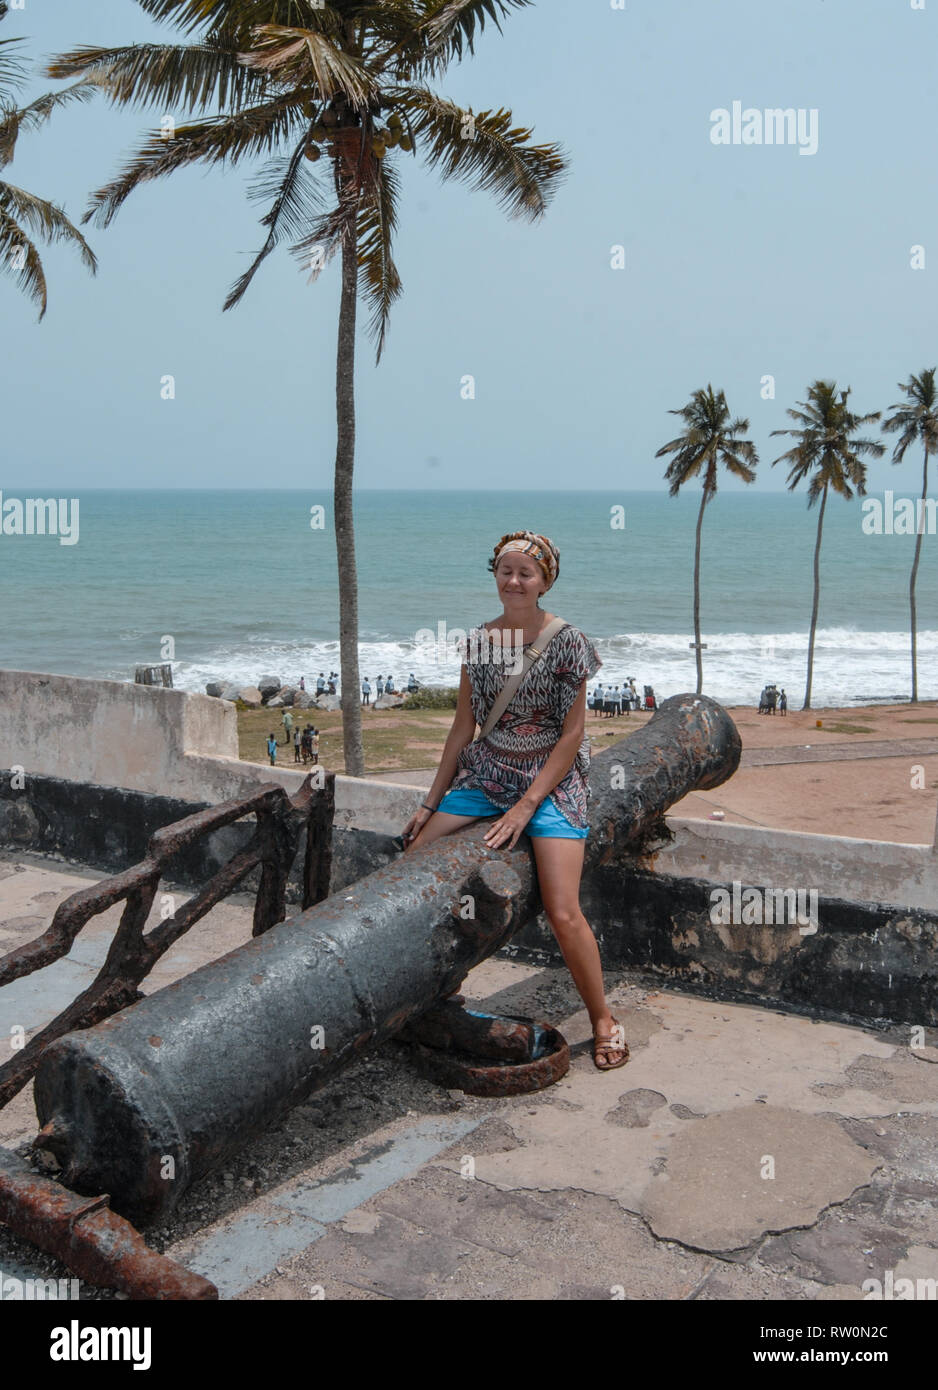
{"x": 547, "y": 822}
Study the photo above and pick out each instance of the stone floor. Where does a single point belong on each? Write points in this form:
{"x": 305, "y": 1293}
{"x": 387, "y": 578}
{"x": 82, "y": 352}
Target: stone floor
{"x": 741, "y": 1154}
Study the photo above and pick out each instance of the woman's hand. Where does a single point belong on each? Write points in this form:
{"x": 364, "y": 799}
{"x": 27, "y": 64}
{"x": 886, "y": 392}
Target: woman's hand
{"x": 503, "y": 833}
{"x": 416, "y": 823}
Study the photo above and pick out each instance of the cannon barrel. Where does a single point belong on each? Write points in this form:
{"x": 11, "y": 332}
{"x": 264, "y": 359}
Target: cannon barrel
{"x": 146, "y": 1102}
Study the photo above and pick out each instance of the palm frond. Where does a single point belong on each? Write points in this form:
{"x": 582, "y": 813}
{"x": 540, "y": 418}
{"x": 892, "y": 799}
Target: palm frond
{"x": 255, "y": 130}
{"x": 229, "y": 15}
{"x": 494, "y": 157}
{"x": 377, "y": 222}
{"x": 324, "y": 238}
{"x": 297, "y": 200}
{"x": 44, "y": 219}
{"x": 450, "y": 26}
{"x": 12, "y": 67}
{"x": 19, "y": 258}
{"x": 14, "y": 121}
{"x": 144, "y": 74}
{"x": 301, "y": 57}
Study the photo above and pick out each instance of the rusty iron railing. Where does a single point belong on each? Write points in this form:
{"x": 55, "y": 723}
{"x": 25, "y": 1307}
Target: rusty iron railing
{"x": 106, "y": 1248}
{"x": 132, "y": 955}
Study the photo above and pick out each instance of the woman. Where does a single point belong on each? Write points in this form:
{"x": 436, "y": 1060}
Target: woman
{"x": 532, "y": 766}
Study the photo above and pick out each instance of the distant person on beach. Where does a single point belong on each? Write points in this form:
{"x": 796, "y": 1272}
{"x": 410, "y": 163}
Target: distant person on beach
{"x": 598, "y": 699}
{"x": 296, "y": 745}
{"x": 633, "y": 693}
{"x": 272, "y": 749}
{"x": 783, "y": 702}
{"x": 302, "y": 682}
{"x": 306, "y": 744}
{"x": 366, "y": 691}
{"x": 379, "y": 686}
{"x": 320, "y": 684}
{"x": 412, "y": 684}
{"x": 333, "y": 677}
{"x": 608, "y": 704}
{"x": 504, "y": 774}
{"x": 315, "y": 746}
{"x": 287, "y": 720}
{"x": 617, "y": 700}
{"x": 389, "y": 686}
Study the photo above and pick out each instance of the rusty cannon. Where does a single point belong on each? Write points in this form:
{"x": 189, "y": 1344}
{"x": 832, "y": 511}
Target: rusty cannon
{"x": 146, "y": 1102}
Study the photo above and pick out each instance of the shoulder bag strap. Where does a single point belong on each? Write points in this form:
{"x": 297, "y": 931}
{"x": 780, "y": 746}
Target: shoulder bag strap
{"x": 507, "y": 691}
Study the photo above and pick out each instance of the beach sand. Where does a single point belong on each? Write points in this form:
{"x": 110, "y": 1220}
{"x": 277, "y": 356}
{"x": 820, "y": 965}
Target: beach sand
{"x": 869, "y": 772}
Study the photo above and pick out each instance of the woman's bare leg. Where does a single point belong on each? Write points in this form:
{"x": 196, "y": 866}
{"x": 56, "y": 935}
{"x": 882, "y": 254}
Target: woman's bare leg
{"x": 439, "y": 824}
{"x": 559, "y": 867}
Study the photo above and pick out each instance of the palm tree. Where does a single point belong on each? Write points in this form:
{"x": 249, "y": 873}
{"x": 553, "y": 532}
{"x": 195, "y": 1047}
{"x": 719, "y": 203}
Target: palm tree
{"x": 917, "y": 418}
{"x": 710, "y": 438}
{"x": 311, "y": 80}
{"x": 19, "y": 209}
{"x": 829, "y": 457}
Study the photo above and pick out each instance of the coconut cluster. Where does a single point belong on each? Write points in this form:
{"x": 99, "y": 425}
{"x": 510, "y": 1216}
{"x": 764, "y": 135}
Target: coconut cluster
{"x": 383, "y": 139}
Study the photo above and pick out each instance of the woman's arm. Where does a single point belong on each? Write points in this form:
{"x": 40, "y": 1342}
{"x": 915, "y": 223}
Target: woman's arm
{"x": 563, "y": 756}
{"x": 461, "y": 734}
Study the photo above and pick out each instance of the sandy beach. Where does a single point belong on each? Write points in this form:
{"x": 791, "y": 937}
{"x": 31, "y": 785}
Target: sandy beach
{"x": 870, "y": 772}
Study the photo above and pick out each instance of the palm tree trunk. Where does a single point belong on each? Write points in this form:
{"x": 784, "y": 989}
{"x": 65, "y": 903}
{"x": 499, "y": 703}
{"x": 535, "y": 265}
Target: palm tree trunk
{"x": 817, "y": 597}
{"x": 919, "y": 530}
{"x": 697, "y": 651}
{"x": 344, "y": 517}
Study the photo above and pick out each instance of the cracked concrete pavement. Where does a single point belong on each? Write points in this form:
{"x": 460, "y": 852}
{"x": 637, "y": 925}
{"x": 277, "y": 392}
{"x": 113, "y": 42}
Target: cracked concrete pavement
{"x": 741, "y": 1154}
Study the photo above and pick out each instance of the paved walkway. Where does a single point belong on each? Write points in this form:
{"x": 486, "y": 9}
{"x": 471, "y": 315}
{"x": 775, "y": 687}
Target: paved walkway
{"x": 741, "y": 1154}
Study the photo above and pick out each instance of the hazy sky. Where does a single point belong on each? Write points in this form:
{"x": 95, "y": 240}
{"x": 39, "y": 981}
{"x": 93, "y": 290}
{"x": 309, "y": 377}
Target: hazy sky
{"x": 741, "y": 260}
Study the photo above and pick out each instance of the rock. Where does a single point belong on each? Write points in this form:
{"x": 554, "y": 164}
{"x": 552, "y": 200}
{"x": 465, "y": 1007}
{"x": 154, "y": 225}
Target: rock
{"x": 303, "y": 700}
{"x": 326, "y": 702}
{"x": 268, "y": 686}
{"x": 287, "y": 694}
{"x": 214, "y": 688}
{"x": 392, "y": 701}
{"x": 230, "y": 691}
{"x": 276, "y": 702}
{"x": 18, "y": 822}
{"x": 251, "y": 695}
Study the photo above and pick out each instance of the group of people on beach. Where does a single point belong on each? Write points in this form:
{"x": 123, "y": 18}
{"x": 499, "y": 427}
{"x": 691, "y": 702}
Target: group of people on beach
{"x": 386, "y": 687}
{"x": 305, "y": 742}
{"x": 611, "y": 700}
{"x": 770, "y": 697}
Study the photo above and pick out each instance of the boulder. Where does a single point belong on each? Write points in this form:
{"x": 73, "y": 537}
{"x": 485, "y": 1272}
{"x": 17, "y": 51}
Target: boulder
{"x": 251, "y": 695}
{"x": 326, "y": 702}
{"x": 303, "y": 700}
{"x": 388, "y": 702}
{"x": 287, "y": 694}
{"x": 230, "y": 691}
{"x": 214, "y": 688}
{"x": 268, "y": 686}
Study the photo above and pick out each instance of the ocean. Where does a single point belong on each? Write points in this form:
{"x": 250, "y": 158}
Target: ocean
{"x": 239, "y": 584}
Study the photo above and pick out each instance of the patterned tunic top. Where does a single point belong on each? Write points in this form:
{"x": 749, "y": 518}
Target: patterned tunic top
{"x": 505, "y": 763}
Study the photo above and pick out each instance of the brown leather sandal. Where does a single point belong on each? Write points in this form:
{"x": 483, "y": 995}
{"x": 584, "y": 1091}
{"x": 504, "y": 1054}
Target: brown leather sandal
{"x": 614, "y": 1044}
